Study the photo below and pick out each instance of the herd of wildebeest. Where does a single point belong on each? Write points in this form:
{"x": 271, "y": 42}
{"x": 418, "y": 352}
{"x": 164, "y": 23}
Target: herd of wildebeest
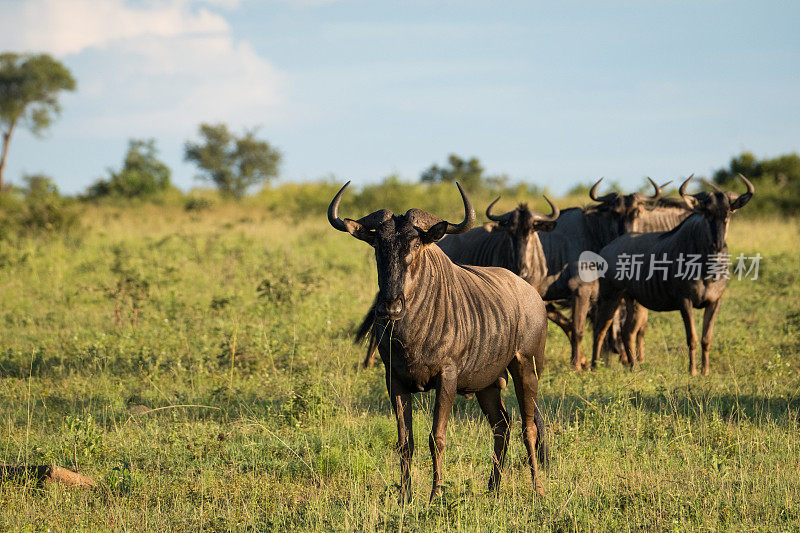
{"x": 458, "y": 308}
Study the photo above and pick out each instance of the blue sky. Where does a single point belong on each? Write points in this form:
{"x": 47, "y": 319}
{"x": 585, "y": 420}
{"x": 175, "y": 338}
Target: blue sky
{"x": 550, "y": 93}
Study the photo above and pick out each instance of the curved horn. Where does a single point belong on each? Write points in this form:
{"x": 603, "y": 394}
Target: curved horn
{"x": 593, "y": 191}
{"x": 742, "y": 199}
{"x": 554, "y": 213}
{"x": 682, "y": 189}
{"x": 750, "y": 188}
{"x": 497, "y": 218}
{"x": 658, "y": 189}
{"x": 369, "y": 222}
{"x": 425, "y": 221}
{"x": 469, "y": 215}
{"x": 333, "y": 210}
{"x": 690, "y": 200}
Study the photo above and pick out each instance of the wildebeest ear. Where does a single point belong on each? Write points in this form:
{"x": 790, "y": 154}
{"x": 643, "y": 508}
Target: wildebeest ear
{"x": 546, "y": 225}
{"x": 436, "y": 232}
{"x": 691, "y": 201}
{"x": 360, "y": 232}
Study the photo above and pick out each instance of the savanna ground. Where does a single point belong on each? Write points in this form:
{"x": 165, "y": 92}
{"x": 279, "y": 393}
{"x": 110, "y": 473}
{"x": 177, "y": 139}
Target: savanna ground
{"x": 200, "y": 366}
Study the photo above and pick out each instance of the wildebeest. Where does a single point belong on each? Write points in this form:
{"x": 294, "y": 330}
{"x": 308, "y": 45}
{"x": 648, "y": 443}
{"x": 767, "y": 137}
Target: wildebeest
{"x": 661, "y": 215}
{"x": 511, "y": 242}
{"x": 680, "y": 269}
{"x": 578, "y": 230}
{"x": 545, "y": 253}
{"x": 455, "y": 329}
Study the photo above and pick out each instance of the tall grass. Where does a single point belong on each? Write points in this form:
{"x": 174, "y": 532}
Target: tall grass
{"x": 199, "y": 365}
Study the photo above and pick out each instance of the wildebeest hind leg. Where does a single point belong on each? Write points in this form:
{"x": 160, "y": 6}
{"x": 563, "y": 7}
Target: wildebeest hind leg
{"x": 691, "y": 333}
{"x": 635, "y": 315}
{"x": 640, "y": 337}
{"x": 709, "y": 317}
{"x": 492, "y": 406}
{"x": 526, "y": 386}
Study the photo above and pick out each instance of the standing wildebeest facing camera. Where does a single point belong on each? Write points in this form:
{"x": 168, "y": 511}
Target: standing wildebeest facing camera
{"x": 455, "y": 329}
{"x": 510, "y": 242}
{"x": 662, "y": 214}
{"x": 666, "y": 279}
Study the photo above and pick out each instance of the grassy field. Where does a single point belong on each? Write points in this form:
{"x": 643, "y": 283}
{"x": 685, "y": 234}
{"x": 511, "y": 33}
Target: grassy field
{"x": 199, "y": 365}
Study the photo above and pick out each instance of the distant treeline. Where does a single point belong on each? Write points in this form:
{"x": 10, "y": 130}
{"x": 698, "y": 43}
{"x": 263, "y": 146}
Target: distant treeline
{"x": 37, "y": 206}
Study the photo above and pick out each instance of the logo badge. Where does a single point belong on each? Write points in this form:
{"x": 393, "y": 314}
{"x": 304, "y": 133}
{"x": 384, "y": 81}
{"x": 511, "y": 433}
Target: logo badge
{"x": 591, "y": 266}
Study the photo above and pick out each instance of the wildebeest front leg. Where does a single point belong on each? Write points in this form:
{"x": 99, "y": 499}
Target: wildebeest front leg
{"x": 635, "y": 315}
{"x": 580, "y": 308}
{"x": 445, "y": 396}
{"x": 492, "y": 406}
{"x": 401, "y": 404}
{"x": 709, "y": 317}
{"x": 691, "y": 333}
{"x": 604, "y": 317}
{"x": 526, "y": 387}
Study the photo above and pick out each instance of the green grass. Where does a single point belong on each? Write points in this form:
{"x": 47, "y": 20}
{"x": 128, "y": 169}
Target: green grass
{"x": 235, "y": 326}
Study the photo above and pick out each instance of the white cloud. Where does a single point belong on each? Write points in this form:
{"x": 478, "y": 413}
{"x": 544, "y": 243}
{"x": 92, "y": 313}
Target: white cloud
{"x": 63, "y": 27}
{"x": 168, "y": 85}
{"x": 154, "y": 68}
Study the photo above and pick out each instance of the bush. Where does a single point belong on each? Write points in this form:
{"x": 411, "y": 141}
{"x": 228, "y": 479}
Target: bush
{"x": 776, "y": 180}
{"x": 37, "y": 207}
{"x": 142, "y": 174}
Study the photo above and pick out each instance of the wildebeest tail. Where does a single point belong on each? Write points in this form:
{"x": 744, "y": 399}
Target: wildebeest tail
{"x": 366, "y": 325}
{"x": 366, "y": 329}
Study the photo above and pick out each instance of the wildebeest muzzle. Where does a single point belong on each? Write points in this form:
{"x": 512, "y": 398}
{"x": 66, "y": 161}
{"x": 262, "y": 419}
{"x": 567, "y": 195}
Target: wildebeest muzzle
{"x": 391, "y": 309}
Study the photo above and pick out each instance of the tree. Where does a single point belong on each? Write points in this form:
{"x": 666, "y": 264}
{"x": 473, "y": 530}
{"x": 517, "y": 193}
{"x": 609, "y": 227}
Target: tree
{"x": 232, "y": 162}
{"x": 468, "y": 173}
{"x": 142, "y": 173}
{"x": 29, "y": 87}
{"x": 777, "y": 180}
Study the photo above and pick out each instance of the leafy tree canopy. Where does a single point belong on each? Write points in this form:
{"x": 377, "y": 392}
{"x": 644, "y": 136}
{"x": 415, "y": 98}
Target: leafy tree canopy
{"x": 781, "y": 170}
{"x": 467, "y": 172}
{"x": 142, "y": 173}
{"x": 233, "y": 163}
{"x": 29, "y": 88}
{"x": 777, "y": 181}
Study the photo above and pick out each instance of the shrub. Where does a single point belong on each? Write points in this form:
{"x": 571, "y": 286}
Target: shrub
{"x": 37, "y": 207}
{"x": 142, "y": 174}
